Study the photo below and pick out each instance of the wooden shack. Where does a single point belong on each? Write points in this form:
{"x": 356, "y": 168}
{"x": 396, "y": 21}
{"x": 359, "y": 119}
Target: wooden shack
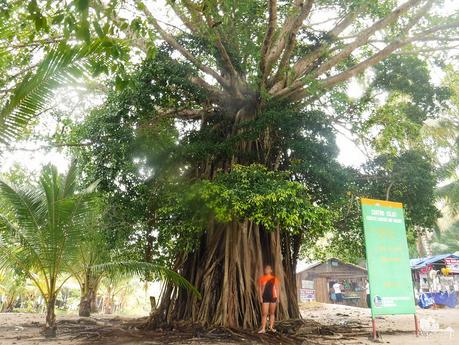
{"x": 315, "y": 282}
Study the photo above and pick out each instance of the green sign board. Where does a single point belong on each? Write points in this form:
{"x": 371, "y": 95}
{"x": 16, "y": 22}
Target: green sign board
{"x": 391, "y": 287}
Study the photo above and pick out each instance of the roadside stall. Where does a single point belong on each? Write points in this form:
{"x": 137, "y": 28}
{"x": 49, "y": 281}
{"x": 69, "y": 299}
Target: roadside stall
{"x": 315, "y": 283}
{"x": 436, "y": 280}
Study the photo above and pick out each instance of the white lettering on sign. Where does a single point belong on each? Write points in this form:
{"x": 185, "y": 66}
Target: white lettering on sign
{"x": 383, "y": 219}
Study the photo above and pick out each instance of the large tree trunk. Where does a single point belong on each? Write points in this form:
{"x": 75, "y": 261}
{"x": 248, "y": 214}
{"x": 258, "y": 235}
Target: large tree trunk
{"x": 93, "y": 302}
{"x": 225, "y": 268}
{"x": 230, "y": 257}
{"x": 50, "y": 325}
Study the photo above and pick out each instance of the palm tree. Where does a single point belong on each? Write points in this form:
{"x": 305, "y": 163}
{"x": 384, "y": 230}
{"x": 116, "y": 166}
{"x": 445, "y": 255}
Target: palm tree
{"x": 11, "y": 286}
{"x": 95, "y": 261}
{"x": 63, "y": 65}
{"x": 40, "y": 232}
{"x": 46, "y": 232}
{"x": 447, "y": 241}
{"x": 94, "y": 251}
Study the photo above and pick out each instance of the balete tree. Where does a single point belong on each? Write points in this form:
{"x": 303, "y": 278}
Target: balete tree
{"x": 254, "y": 159}
{"x": 249, "y": 79}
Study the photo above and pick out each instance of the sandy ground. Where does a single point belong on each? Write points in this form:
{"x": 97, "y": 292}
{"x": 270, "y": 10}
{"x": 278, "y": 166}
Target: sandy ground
{"x": 23, "y": 329}
{"x": 397, "y": 329}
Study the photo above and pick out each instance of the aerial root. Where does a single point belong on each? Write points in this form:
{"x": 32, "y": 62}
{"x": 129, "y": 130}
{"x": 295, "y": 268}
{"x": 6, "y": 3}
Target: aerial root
{"x": 289, "y": 332}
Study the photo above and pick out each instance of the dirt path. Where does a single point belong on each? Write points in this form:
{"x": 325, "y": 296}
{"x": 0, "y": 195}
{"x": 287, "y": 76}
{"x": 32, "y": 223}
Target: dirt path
{"x": 23, "y": 329}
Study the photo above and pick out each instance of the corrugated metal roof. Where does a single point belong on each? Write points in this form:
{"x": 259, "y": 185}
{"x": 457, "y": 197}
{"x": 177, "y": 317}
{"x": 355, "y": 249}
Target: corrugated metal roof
{"x": 318, "y": 263}
{"x": 423, "y": 262}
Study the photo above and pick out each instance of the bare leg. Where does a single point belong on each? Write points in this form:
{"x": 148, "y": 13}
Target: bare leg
{"x": 272, "y": 315}
{"x": 264, "y": 315}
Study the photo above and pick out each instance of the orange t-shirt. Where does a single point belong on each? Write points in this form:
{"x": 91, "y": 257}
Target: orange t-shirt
{"x": 266, "y": 278}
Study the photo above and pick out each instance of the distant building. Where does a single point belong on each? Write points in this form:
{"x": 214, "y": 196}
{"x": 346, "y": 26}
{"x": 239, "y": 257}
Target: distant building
{"x": 316, "y": 281}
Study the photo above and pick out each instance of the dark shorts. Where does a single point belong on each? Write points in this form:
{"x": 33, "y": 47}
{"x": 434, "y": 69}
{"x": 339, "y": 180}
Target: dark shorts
{"x": 270, "y": 300}
{"x": 339, "y": 297}
{"x": 268, "y": 296}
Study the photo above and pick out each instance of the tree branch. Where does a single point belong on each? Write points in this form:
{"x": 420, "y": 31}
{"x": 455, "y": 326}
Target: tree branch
{"x": 296, "y": 91}
{"x": 363, "y": 37}
{"x": 208, "y": 23}
{"x": 228, "y": 64}
{"x": 187, "y": 114}
{"x": 422, "y": 51}
{"x": 305, "y": 64}
{"x": 290, "y": 28}
{"x": 215, "y": 95}
{"x": 291, "y": 40}
{"x": 185, "y": 20}
{"x": 37, "y": 43}
{"x": 267, "y": 42}
{"x": 174, "y": 44}
{"x": 330, "y": 82}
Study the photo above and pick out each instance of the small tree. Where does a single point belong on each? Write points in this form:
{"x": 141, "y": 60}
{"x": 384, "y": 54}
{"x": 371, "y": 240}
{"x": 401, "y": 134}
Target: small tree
{"x": 94, "y": 251}
{"x": 44, "y": 233}
{"x": 40, "y": 232}
{"x": 11, "y": 286}
{"x": 96, "y": 261}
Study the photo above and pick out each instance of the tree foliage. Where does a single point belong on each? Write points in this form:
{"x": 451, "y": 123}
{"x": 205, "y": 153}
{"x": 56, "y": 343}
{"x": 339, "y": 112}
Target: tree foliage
{"x": 448, "y": 241}
{"x": 284, "y": 52}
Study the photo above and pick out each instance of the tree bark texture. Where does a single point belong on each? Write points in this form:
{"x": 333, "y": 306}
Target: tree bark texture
{"x": 86, "y": 300}
{"x": 225, "y": 268}
{"x": 226, "y": 265}
{"x": 88, "y": 294}
{"x": 50, "y": 325}
{"x": 230, "y": 257}
{"x": 93, "y": 302}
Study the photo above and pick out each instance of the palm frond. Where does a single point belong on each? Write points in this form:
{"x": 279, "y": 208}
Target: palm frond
{"x": 140, "y": 268}
{"x": 450, "y": 193}
{"x": 447, "y": 241}
{"x": 18, "y": 240}
{"x": 69, "y": 182}
{"x": 61, "y": 66}
{"x": 41, "y": 226}
{"x": 25, "y": 204}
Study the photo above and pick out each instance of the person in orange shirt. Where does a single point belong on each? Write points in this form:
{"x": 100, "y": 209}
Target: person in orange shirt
{"x": 268, "y": 293}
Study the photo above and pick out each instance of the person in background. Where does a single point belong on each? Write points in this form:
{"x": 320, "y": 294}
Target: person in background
{"x": 268, "y": 292}
{"x": 338, "y": 293}
{"x": 367, "y": 290}
{"x": 332, "y": 294}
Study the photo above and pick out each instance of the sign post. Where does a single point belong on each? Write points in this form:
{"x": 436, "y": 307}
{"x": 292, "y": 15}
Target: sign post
{"x": 389, "y": 274}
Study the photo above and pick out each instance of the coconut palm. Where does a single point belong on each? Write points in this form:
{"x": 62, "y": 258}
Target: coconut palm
{"x": 95, "y": 262}
{"x": 45, "y": 232}
{"x": 447, "y": 241}
{"x": 11, "y": 286}
{"x": 94, "y": 251}
{"x": 40, "y": 231}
